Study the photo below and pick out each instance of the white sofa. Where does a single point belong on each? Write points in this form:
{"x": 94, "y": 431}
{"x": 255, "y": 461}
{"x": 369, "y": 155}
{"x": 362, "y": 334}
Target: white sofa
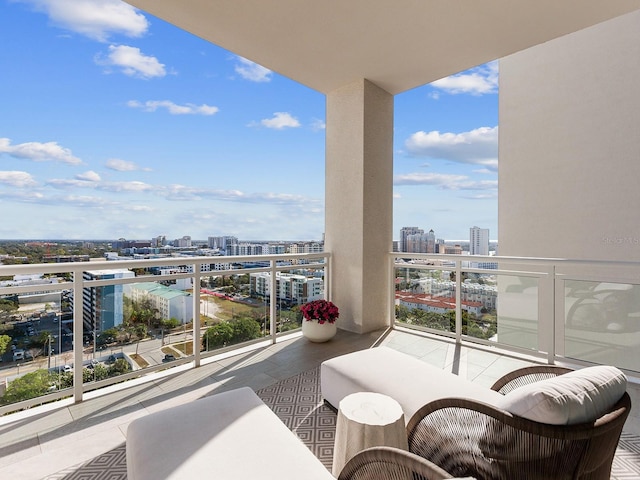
{"x": 576, "y": 397}
{"x": 231, "y": 435}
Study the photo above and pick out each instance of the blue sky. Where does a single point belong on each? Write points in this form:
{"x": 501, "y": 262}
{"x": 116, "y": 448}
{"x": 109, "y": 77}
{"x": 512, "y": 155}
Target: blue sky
{"x": 115, "y": 124}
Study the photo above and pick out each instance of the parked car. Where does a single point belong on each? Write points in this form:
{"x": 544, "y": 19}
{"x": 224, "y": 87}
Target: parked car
{"x": 92, "y": 364}
{"x": 18, "y": 355}
{"x": 67, "y": 369}
{"x": 168, "y": 358}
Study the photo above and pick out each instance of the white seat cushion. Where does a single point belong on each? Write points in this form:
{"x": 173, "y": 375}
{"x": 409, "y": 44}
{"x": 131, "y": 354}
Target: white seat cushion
{"x": 412, "y": 382}
{"x": 575, "y": 397}
{"x": 231, "y": 435}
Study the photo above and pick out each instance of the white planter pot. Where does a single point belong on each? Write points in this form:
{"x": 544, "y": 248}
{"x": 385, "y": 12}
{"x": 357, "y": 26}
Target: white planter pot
{"x": 316, "y": 332}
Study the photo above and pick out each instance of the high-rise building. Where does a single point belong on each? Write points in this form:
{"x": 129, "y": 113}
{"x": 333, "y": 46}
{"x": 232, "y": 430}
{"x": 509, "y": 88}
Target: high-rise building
{"x": 404, "y": 234}
{"x": 222, "y": 242}
{"x": 478, "y": 241}
{"x": 184, "y": 242}
{"x": 420, "y": 242}
{"x": 102, "y": 307}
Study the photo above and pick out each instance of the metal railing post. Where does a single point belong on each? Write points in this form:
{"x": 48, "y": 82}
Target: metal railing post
{"x": 273, "y": 324}
{"x": 197, "y": 268}
{"x": 78, "y": 344}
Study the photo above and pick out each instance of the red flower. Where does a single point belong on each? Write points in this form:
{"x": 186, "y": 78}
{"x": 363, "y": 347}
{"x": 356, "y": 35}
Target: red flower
{"x": 320, "y": 310}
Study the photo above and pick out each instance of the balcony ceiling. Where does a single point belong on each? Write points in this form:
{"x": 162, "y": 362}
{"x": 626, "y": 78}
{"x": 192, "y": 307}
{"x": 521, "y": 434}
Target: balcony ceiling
{"x": 396, "y": 44}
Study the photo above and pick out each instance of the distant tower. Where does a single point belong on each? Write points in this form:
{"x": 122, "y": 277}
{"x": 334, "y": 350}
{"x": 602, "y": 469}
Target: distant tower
{"x": 431, "y": 242}
{"x": 404, "y": 234}
{"x": 478, "y": 241}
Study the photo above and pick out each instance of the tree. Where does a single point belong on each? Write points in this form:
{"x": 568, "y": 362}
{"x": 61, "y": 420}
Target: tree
{"x": 5, "y": 341}
{"x": 245, "y": 329}
{"x": 8, "y": 307}
{"x": 119, "y": 367}
{"x": 107, "y": 336}
{"x": 170, "y": 323}
{"x": 217, "y": 336}
{"x": 143, "y": 312}
{"x": 30, "y": 385}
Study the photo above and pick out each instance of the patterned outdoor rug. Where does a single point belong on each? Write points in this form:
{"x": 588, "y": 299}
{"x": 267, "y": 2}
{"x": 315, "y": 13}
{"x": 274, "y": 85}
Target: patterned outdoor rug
{"x": 298, "y": 403}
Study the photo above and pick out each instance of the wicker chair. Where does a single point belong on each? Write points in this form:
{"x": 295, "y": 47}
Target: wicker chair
{"x": 470, "y": 438}
{"x": 388, "y": 463}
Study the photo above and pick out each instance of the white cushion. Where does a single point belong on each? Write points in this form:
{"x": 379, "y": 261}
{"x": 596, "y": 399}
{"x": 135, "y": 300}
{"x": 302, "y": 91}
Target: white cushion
{"x": 412, "y": 382}
{"x": 227, "y": 436}
{"x": 575, "y": 397}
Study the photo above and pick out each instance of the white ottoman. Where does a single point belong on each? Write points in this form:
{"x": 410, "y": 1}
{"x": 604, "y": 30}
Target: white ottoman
{"x": 231, "y": 435}
{"x": 410, "y": 381}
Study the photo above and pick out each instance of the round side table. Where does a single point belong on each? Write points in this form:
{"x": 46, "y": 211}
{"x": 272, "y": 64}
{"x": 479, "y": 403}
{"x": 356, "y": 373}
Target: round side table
{"x": 367, "y": 419}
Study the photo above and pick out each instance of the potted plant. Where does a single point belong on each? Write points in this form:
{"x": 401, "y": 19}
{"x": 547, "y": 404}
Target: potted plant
{"x": 319, "y": 323}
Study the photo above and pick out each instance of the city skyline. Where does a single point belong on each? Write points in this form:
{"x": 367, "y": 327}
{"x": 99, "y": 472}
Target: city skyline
{"x": 117, "y": 124}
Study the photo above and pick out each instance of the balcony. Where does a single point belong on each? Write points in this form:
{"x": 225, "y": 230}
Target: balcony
{"x": 535, "y": 323}
{"x": 547, "y": 311}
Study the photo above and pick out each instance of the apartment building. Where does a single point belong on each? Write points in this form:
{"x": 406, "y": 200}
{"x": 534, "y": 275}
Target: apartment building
{"x": 291, "y": 288}
{"x": 102, "y": 306}
{"x": 171, "y": 303}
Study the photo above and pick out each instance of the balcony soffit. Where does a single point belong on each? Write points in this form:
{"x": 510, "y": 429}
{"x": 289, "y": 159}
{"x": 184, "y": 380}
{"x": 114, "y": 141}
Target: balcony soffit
{"x": 397, "y": 45}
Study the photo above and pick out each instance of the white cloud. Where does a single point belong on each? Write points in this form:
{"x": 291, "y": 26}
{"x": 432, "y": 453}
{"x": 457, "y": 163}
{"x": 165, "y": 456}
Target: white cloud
{"x": 439, "y": 179}
{"x": 252, "y": 71}
{"x": 89, "y": 176}
{"x": 126, "y": 187}
{"x": 38, "y": 152}
{"x": 124, "y": 166}
{"x": 317, "y": 125}
{"x": 474, "y": 185}
{"x": 89, "y": 179}
{"x": 476, "y": 81}
{"x": 479, "y": 146}
{"x": 17, "y": 179}
{"x": 132, "y": 62}
{"x": 173, "y": 108}
{"x": 280, "y": 120}
{"x": 70, "y": 183}
{"x": 96, "y": 19}
{"x": 86, "y": 201}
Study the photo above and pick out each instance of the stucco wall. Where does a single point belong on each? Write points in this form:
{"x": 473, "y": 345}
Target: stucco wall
{"x": 569, "y": 174}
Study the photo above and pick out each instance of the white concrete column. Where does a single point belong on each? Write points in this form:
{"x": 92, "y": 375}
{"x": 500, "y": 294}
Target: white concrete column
{"x": 359, "y": 203}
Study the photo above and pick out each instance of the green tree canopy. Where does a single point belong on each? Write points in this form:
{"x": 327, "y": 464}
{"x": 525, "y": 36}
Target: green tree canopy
{"x": 30, "y": 385}
{"x": 5, "y": 341}
{"x": 217, "y": 336}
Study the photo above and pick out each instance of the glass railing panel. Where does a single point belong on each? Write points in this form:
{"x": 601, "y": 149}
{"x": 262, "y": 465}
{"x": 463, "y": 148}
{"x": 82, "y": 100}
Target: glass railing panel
{"x": 425, "y": 296}
{"x": 602, "y": 322}
{"x": 479, "y": 300}
{"x": 517, "y": 311}
{"x": 230, "y": 312}
{"x": 295, "y": 287}
{"x": 34, "y": 338}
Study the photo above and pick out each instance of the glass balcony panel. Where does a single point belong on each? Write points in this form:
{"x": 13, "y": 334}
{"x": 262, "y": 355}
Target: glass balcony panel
{"x": 230, "y": 313}
{"x": 478, "y": 297}
{"x": 517, "y": 311}
{"x": 34, "y": 337}
{"x": 295, "y": 287}
{"x": 425, "y": 297}
{"x": 602, "y": 322}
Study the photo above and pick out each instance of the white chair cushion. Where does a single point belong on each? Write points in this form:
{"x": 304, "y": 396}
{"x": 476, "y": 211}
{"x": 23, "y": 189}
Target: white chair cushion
{"x": 575, "y": 397}
{"x": 412, "y": 382}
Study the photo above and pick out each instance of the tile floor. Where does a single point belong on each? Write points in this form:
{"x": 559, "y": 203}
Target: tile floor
{"x": 48, "y": 439}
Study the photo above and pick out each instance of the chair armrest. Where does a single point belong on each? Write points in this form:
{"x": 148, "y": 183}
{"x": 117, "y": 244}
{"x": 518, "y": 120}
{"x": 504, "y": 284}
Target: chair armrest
{"x": 390, "y": 462}
{"x": 470, "y": 438}
{"x": 527, "y": 375}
